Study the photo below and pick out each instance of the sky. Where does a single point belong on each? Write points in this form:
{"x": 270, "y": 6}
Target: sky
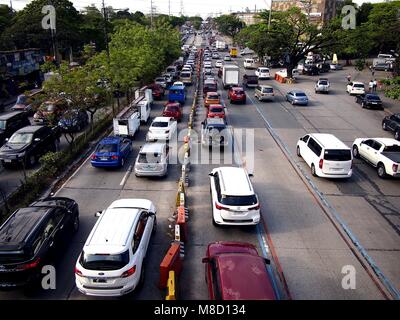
{"x": 190, "y": 7}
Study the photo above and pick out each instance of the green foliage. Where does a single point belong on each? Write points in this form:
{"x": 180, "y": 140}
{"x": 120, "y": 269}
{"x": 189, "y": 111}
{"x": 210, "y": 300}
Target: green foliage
{"x": 48, "y": 66}
{"x": 360, "y": 64}
{"x": 6, "y": 16}
{"x": 392, "y": 89}
{"x": 229, "y": 25}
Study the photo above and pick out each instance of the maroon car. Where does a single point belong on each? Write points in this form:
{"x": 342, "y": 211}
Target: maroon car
{"x": 235, "y": 271}
{"x": 236, "y": 94}
{"x": 174, "y": 110}
{"x": 157, "y": 91}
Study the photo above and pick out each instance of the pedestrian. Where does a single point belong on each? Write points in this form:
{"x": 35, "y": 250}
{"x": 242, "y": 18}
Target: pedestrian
{"x": 375, "y": 85}
{"x": 371, "y": 86}
{"x": 348, "y": 77}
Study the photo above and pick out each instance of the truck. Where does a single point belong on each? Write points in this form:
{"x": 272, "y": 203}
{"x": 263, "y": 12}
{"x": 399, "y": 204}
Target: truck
{"x": 220, "y": 45}
{"x": 230, "y": 75}
{"x": 384, "y": 59}
{"x": 233, "y": 52}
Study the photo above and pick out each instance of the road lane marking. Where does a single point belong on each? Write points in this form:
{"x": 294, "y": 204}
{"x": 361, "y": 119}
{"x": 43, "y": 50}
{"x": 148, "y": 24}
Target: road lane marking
{"x": 126, "y": 175}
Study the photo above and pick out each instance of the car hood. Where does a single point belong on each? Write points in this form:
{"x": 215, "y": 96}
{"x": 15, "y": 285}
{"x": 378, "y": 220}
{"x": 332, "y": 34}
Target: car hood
{"x": 13, "y": 148}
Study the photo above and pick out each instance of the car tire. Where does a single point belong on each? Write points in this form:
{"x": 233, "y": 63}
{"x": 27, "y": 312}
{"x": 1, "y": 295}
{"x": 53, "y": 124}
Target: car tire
{"x": 30, "y": 161}
{"x": 298, "y": 152}
{"x": 313, "y": 172}
{"x": 75, "y": 224}
{"x": 356, "y": 154}
{"x": 122, "y": 162}
{"x": 384, "y": 126}
{"x": 381, "y": 171}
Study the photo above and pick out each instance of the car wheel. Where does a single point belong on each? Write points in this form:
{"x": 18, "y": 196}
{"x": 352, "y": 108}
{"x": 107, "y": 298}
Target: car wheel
{"x": 298, "y": 151}
{"x": 355, "y": 152}
{"x": 313, "y": 172}
{"x": 30, "y": 161}
{"x": 75, "y": 224}
{"x": 381, "y": 171}
{"x": 122, "y": 162}
{"x": 384, "y": 126}
{"x": 397, "y": 135}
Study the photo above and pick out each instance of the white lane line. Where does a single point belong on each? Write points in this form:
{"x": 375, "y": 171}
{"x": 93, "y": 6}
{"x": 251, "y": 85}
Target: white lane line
{"x": 126, "y": 175}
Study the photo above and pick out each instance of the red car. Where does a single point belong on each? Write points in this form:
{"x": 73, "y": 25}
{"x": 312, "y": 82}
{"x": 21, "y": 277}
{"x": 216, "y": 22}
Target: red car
{"x": 216, "y": 111}
{"x": 235, "y": 271}
{"x": 174, "y": 110}
{"x": 236, "y": 94}
{"x": 157, "y": 91}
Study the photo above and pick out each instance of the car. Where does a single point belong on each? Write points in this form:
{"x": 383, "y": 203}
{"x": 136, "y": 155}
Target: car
{"x": 386, "y": 66}
{"x": 173, "y": 71}
{"x": 207, "y": 64}
{"x": 263, "y": 73}
{"x": 161, "y": 81}
{"x": 246, "y": 51}
{"x": 210, "y": 85}
{"x": 233, "y": 199}
{"x": 297, "y": 97}
{"x": 157, "y": 90}
{"x": 111, "y": 151}
{"x": 216, "y": 111}
{"x": 73, "y": 120}
{"x": 179, "y": 84}
{"x": 11, "y": 122}
{"x": 174, "y": 110}
{"x": 250, "y": 81}
{"x": 249, "y": 63}
{"x": 212, "y": 98}
{"x": 28, "y": 144}
{"x": 224, "y": 261}
{"x": 112, "y": 259}
{"x": 152, "y": 160}
{"x": 326, "y": 155}
{"x": 23, "y": 104}
{"x": 49, "y": 111}
{"x": 214, "y": 132}
{"x": 263, "y": 92}
{"x": 322, "y": 85}
{"x": 354, "y": 88}
{"x": 311, "y": 70}
{"x": 392, "y": 123}
{"x": 168, "y": 79}
{"x": 236, "y": 94}
{"x": 381, "y": 153}
{"x": 32, "y": 236}
{"x": 207, "y": 72}
{"x": 215, "y": 55}
{"x": 323, "y": 67}
{"x": 227, "y": 58}
{"x": 162, "y": 128}
{"x": 218, "y": 64}
{"x": 370, "y": 101}
{"x": 336, "y": 66}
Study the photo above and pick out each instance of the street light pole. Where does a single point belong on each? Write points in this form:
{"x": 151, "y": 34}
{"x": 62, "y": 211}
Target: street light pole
{"x": 270, "y": 14}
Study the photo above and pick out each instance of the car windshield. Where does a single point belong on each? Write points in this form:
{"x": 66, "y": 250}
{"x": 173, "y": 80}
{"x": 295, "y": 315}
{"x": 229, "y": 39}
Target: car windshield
{"x": 213, "y": 96}
{"x": 394, "y": 148}
{"x": 300, "y": 94}
{"x": 239, "y": 200}
{"x": 172, "y": 108}
{"x": 104, "y": 261}
{"x": 21, "y": 100}
{"x": 21, "y": 138}
{"x": 103, "y": 147}
{"x": 373, "y": 97}
{"x": 264, "y": 70}
{"x": 160, "y": 124}
{"x": 358, "y": 85}
{"x": 3, "y": 124}
{"x": 337, "y": 155}
{"x": 215, "y": 128}
{"x": 149, "y": 157}
{"x": 267, "y": 90}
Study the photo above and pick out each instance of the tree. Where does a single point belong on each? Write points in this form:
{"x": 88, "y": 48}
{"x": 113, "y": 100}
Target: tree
{"x": 229, "y": 25}
{"x": 6, "y": 15}
{"x": 92, "y": 26}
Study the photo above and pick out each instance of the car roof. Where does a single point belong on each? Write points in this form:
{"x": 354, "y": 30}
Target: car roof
{"x": 30, "y": 129}
{"x": 387, "y": 141}
{"x": 297, "y": 91}
{"x": 209, "y": 93}
{"x": 110, "y": 140}
{"x": 215, "y": 121}
{"x": 235, "y": 181}
{"x": 162, "y": 119}
{"x": 329, "y": 141}
{"x": 237, "y": 88}
{"x": 152, "y": 147}
{"x": 357, "y": 82}
{"x": 9, "y": 115}
{"x": 266, "y": 86}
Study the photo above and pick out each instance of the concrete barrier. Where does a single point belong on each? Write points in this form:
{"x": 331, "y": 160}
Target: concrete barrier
{"x": 171, "y": 262}
{"x": 181, "y": 222}
{"x": 171, "y": 286}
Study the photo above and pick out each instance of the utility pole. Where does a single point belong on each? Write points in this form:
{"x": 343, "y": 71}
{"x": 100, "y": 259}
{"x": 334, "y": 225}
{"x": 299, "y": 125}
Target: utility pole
{"x": 181, "y": 7}
{"x": 169, "y": 7}
{"x": 270, "y": 14}
{"x": 105, "y": 20}
{"x": 151, "y": 13}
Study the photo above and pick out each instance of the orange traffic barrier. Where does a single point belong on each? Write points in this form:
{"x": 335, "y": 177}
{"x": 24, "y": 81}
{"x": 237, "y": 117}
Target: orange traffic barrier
{"x": 171, "y": 261}
{"x": 181, "y": 221}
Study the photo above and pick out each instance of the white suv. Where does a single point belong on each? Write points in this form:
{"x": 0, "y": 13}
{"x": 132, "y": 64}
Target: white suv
{"x": 234, "y": 201}
{"x": 355, "y": 88}
{"x": 111, "y": 262}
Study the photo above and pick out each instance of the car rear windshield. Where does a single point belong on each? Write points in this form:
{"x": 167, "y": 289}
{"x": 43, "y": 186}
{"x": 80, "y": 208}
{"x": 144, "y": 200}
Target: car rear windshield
{"x": 239, "y": 200}
{"x": 358, "y": 85}
{"x": 323, "y": 82}
{"x": 239, "y": 92}
{"x": 300, "y": 94}
{"x": 172, "y": 108}
{"x": 391, "y": 149}
{"x": 160, "y": 124}
{"x": 149, "y": 157}
{"x": 373, "y": 97}
{"x": 213, "y": 96}
{"x": 104, "y": 261}
{"x": 107, "y": 147}
{"x": 264, "y": 70}
{"x": 267, "y": 90}
{"x": 210, "y": 87}
{"x": 185, "y": 74}
{"x": 216, "y": 109}
{"x": 337, "y": 155}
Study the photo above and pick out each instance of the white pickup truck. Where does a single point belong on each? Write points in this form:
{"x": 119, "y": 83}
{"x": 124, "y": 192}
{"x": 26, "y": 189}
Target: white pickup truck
{"x": 382, "y": 153}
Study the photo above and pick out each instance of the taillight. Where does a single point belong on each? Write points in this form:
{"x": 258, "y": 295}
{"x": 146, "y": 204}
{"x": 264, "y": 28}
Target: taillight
{"x": 321, "y": 163}
{"x": 30, "y": 265}
{"x": 257, "y": 207}
{"x": 220, "y": 207}
{"x": 395, "y": 167}
{"x": 78, "y": 272}
{"x": 167, "y": 131}
{"x": 114, "y": 157}
{"x": 94, "y": 157}
{"x": 129, "y": 272}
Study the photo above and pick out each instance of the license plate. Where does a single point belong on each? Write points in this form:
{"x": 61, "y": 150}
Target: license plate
{"x": 99, "y": 281}
{"x": 374, "y": 103}
{"x": 104, "y": 158}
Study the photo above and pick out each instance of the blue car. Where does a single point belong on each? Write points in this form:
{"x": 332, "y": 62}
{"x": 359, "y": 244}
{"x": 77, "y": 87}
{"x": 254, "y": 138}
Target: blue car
{"x": 111, "y": 152}
{"x": 297, "y": 97}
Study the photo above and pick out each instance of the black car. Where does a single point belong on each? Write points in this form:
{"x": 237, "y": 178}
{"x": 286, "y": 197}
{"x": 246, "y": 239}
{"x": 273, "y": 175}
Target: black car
{"x": 73, "y": 121}
{"x": 28, "y": 145}
{"x": 323, "y": 67}
{"x": 370, "y": 101}
{"x": 31, "y": 237}
{"x": 392, "y": 123}
{"x": 11, "y": 122}
{"x": 311, "y": 70}
{"x": 250, "y": 81}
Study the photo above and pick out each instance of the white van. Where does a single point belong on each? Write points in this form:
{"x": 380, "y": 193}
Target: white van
{"x": 326, "y": 155}
{"x": 111, "y": 262}
{"x": 249, "y": 63}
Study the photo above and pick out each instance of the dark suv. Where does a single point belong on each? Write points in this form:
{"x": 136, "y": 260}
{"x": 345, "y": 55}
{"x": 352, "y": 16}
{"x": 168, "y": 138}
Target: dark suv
{"x": 29, "y": 144}
{"x": 250, "y": 80}
{"x": 392, "y": 123}
{"x": 31, "y": 236}
{"x": 11, "y": 122}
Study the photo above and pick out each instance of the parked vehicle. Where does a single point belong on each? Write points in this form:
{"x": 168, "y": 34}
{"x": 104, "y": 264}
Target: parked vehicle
{"x": 157, "y": 90}
{"x": 214, "y": 133}
{"x": 311, "y": 70}
{"x": 209, "y": 86}
{"x": 230, "y": 75}
{"x": 211, "y": 98}
{"x": 370, "y": 101}
{"x": 11, "y": 122}
{"x": 112, "y": 152}
{"x": 177, "y": 94}
{"x": 216, "y": 111}
{"x": 326, "y": 155}
{"x": 381, "y": 153}
{"x": 249, "y": 63}
{"x": 186, "y": 78}
{"x": 32, "y": 236}
{"x": 236, "y": 94}
{"x": 355, "y": 88}
{"x": 112, "y": 260}
{"x": 152, "y": 160}
{"x": 263, "y": 73}
{"x": 174, "y": 110}
{"x": 233, "y": 199}
{"x": 250, "y": 81}
{"x": 224, "y": 261}
{"x": 28, "y": 144}
{"x": 297, "y": 97}
{"x": 392, "y": 123}
{"x": 218, "y": 64}
{"x": 385, "y": 66}
{"x": 227, "y": 58}
{"x": 173, "y": 71}
{"x": 73, "y": 120}
{"x": 49, "y": 111}
{"x": 322, "y": 85}
{"x": 263, "y": 92}
{"x": 323, "y": 67}
{"x": 162, "y": 128}
{"x": 336, "y": 66}
{"x": 246, "y": 51}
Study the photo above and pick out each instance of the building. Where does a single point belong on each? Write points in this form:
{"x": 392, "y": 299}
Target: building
{"x": 319, "y": 11}
{"x": 248, "y": 18}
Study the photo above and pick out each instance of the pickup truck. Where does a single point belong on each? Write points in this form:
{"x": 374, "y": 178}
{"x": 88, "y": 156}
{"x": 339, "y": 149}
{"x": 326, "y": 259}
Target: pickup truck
{"x": 382, "y": 153}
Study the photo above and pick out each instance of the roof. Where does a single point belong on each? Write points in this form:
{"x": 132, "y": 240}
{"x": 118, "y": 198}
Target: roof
{"x": 235, "y": 181}
{"x": 30, "y": 129}
{"x": 9, "y": 115}
{"x": 209, "y": 93}
{"x": 176, "y": 88}
{"x": 161, "y": 119}
{"x": 110, "y": 140}
{"x": 330, "y": 140}
{"x": 215, "y": 121}
{"x": 155, "y": 147}
{"x": 358, "y": 82}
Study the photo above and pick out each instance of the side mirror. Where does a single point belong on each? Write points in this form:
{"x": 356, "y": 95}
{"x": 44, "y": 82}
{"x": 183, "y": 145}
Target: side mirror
{"x": 211, "y": 174}
{"x": 98, "y": 214}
